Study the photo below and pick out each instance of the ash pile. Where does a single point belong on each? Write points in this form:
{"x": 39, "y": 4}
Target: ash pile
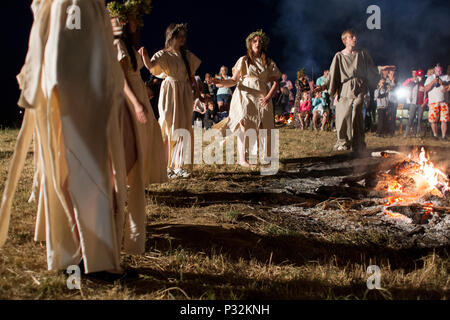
{"x": 403, "y": 198}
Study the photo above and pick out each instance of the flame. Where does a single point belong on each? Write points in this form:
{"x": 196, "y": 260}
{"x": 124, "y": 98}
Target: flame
{"x": 429, "y": 173}
{"x": 427, "y": 177}
{"x": 284, "y": 119}
{"x": 430, "y": 178}
{"x": 395, "y": 186}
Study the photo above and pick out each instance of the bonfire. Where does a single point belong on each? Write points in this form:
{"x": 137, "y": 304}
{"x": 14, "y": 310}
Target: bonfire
{"x": 284, "y": 119}
{"x": 411, "y": 183}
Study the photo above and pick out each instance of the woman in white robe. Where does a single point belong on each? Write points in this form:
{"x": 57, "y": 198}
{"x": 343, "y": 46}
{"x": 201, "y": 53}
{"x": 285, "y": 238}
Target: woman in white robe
{"x": 177, "y": 66}
{"x": 72, "y": 89}
{"x": 251, "y": 105}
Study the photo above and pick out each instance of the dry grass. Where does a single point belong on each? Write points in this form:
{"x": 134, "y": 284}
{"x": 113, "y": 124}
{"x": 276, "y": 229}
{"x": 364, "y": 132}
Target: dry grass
{"x": 209, "y": 237}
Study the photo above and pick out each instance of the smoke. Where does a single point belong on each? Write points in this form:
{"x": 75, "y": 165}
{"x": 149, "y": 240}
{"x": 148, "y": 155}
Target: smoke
{"x": 413, "y": 33}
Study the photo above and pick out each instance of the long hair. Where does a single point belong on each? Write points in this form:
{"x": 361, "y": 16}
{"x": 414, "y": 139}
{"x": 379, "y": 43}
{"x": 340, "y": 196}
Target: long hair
{"x": 251, "y": 55}
{"x": 131, "y": 41}
{"x": 172, "y": 31}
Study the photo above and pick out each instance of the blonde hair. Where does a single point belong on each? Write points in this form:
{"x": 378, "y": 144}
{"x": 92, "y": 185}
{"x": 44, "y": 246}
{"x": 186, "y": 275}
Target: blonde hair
{"x": 346, "y": 33}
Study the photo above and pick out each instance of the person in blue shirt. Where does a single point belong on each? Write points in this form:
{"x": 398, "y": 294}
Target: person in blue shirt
{"x": 319, "y": 110}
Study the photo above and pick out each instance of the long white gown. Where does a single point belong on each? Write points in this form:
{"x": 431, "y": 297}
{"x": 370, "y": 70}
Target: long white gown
{"x": 175, "y": 100}
{"x": 72, "y": 88}
{"x": 252, "y": 86}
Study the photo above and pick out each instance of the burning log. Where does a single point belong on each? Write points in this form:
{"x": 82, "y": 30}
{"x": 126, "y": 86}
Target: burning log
{"x": 388, "y": 154}
{"x": 419, "y": 214}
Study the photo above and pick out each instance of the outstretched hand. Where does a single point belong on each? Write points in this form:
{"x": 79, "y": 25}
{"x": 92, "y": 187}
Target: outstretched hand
{"x": 212, "y": 80}
{"x": 143, "y": 52}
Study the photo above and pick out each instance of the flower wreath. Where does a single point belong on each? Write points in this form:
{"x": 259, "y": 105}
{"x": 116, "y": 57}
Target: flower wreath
{"x": 264, "y": 38}
{"x": 121, "y": 10}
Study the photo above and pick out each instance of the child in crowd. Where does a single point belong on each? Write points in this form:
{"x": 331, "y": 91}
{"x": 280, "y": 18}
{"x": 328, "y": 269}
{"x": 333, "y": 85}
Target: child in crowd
{"x": 211, "y": 116}
{"x": 199, "y": 109}
{"x": 305, "y": 110}
{"x": 319, "y": 110}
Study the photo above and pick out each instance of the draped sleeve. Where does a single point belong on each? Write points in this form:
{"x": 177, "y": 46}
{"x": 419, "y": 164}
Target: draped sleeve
{"x": 161, "y": 69}
{"x": 122, "y": 51}
{"x": 274, "y": 73}
{"x": 194, "y": 61}
{"x": 334, "y": 80}
{"x": 238, "y": 66}
{"x": 373, "y": 71}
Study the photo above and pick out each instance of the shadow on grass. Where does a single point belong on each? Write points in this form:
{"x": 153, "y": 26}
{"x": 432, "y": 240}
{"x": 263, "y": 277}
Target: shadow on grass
{"x": 6, "y": 154}
{"x": 186, "y": 199}
{"x": 238, "y": 243}
{"x": 231, "y": 285}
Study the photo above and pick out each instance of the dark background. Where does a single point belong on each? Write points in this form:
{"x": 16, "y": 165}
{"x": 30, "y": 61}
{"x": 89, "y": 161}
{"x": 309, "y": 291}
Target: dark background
{"x": 303, "y": 34}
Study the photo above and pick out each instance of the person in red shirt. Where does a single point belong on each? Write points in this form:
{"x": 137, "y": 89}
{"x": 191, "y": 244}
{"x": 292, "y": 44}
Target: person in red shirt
{"x": 305, "y": 110}
{"x": 417, "y": 101}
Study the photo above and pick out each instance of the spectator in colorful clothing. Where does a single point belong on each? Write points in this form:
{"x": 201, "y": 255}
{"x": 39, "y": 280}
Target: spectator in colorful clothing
{"x": 319, "y": 110}
{"x": 223, "y": 93}
{"x": 301, "y": 85}
{"x": 416, "y": 101}
{"x": 435, "y": 87}
{"x": 305, "y": 110}
{"x": 321, "y": 80}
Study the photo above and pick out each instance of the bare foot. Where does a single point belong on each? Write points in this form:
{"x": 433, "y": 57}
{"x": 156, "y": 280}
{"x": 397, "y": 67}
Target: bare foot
{"x": 244, "y": 164}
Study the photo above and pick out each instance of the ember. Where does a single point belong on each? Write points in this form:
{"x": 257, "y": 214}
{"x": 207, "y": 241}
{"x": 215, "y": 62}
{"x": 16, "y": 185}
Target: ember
{"x": 411, "y": 181}
{"x": 284, "y": 119}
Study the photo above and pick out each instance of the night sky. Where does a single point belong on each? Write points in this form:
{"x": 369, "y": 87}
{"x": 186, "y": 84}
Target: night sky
{"x": 303, "y": 34}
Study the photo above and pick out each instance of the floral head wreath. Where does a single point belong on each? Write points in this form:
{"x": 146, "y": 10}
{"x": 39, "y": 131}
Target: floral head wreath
{"x": 129, "y": 7}
{"x": 178, "y": 27}
{"x": 264, "y": 38}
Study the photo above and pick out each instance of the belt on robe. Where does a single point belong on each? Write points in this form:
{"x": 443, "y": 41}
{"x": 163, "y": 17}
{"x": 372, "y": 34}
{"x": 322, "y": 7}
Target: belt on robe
{"x": 175, "y": 79}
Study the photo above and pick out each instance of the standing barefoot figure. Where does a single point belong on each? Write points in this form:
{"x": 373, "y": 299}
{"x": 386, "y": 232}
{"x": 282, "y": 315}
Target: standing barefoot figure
{"x": 177, "y": 66}
{"x": 352, "y": 73}
{"x": 251, "y": 104}
{"x": 72, "y": 89}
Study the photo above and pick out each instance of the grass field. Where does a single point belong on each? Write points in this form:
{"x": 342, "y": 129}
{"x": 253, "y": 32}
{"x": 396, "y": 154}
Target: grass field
{"x": 214, "y": 246}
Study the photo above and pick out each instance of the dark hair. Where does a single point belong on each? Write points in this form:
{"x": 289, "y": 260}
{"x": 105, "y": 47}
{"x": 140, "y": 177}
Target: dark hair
{"x": 131, "y": 41}
{"x": 172, "y": 31}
